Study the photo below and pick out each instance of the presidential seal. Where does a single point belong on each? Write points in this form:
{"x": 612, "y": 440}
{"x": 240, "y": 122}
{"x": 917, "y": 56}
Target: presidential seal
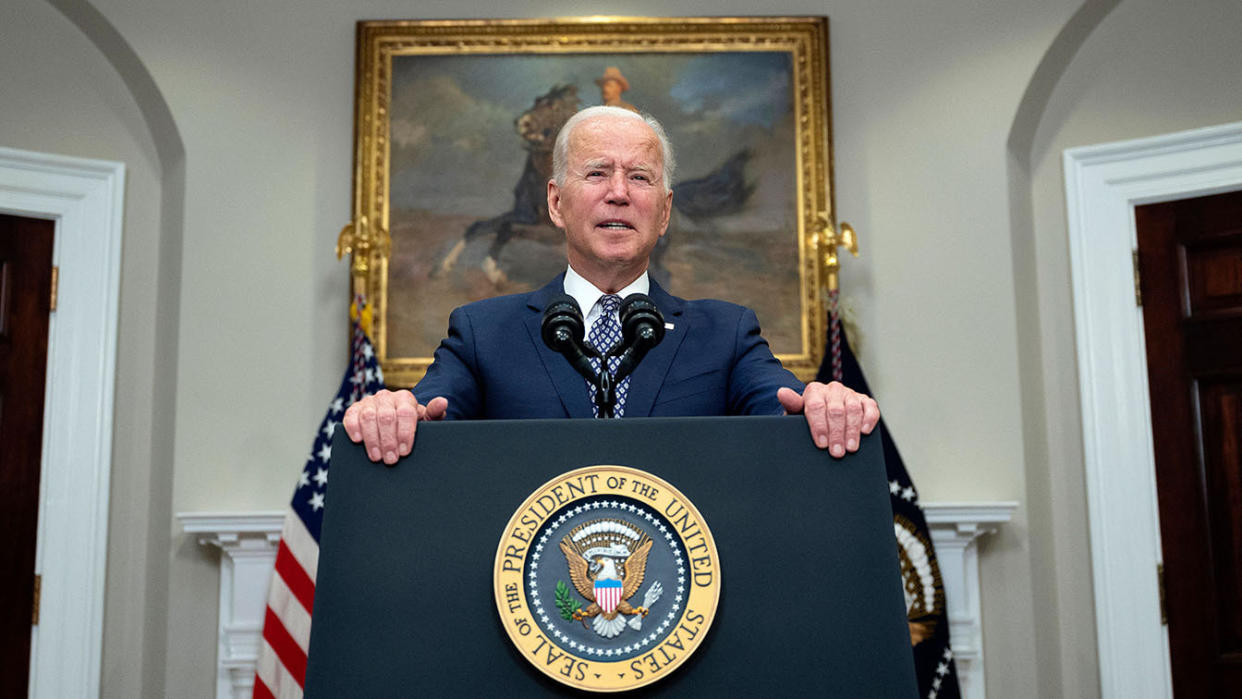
{"x": 607, "y": 578}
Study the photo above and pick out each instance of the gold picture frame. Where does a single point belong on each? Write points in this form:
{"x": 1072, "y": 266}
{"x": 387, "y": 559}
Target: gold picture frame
{"x": 453, "y": 124}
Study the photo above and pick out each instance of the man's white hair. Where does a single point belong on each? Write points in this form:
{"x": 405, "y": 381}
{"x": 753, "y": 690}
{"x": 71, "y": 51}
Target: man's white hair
{"x": 560, "y": 151}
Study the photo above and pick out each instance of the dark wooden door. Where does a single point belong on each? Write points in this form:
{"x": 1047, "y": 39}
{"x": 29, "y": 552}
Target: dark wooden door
{"x": 25, "y": 302}
{"x": 1190, "y": 260}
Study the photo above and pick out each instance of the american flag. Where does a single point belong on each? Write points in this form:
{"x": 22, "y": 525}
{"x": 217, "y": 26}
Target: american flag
{"x": 281, "y": 667}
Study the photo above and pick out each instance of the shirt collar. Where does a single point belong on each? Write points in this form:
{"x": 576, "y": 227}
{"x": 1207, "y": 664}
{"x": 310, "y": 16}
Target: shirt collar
{"x": 587, "y": 294}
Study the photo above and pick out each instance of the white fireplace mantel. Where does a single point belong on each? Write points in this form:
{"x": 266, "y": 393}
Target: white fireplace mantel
{"x": 249, "y": 541}
{"x": 955, "y": 528}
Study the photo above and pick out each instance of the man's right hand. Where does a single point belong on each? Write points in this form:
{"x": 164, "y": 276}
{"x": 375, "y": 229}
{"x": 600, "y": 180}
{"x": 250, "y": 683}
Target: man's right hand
{"x": 386, "y": 421}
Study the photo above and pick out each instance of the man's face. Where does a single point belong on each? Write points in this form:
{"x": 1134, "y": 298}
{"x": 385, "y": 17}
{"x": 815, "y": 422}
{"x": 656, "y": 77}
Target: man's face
{"x": 612, "y": 206}
{"x": 610, "y": 91}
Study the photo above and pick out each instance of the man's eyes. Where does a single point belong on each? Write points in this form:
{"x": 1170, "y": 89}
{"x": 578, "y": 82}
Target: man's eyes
{"x": 636, "y": 176}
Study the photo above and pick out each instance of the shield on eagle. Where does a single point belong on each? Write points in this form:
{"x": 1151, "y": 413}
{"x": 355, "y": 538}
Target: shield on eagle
{"x": 607, "y": 594}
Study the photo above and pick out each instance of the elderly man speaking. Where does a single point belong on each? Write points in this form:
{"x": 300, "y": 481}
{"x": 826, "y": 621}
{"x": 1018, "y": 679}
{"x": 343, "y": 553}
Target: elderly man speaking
{"x": 611, "y": 194}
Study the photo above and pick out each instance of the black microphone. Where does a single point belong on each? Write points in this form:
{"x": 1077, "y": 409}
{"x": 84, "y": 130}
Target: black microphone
{"x": 642, "y": 328}
{"x": 562, "y": 329}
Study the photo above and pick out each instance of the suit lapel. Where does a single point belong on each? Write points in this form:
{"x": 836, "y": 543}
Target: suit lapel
{"x": 647, "y": 379}
{"x": 569, "y": 385}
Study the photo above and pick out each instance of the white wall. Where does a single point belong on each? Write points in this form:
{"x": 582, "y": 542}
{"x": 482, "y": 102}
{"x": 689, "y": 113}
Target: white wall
{"x": 924, "y": 101}
{"x": 1151, "y": 67}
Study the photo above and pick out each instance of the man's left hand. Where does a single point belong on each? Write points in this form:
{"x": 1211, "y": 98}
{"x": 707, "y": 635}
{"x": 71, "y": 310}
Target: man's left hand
{"x": 837, "y": 416}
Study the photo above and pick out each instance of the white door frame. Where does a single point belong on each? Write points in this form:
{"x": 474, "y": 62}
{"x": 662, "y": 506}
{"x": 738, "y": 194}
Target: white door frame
{"x": 1103, "y": 184}
{"x": 85, "y": 198}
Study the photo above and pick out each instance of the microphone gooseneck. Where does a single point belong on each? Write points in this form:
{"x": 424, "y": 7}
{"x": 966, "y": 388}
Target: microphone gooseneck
{"x": 562, "y": 329}
{"x": 642, "y": 328}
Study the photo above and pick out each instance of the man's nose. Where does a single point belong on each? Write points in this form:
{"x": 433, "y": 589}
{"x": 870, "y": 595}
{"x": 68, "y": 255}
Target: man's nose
{"x": 618, "y": 189}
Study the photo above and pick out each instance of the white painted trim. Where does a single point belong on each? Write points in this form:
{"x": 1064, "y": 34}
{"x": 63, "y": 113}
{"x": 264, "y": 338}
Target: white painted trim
{"x": 249, "y": 541}
{"x": 1102, "y": 185}
{"x": 86, "y": 199}
{"x": 969, "y": 518}
{"x": 955, "y": 528}
{"x": 222, "y": 528}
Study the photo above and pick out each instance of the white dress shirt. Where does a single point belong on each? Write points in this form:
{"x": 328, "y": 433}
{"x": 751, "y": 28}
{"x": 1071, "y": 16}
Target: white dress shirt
{"x": 588, "y": 295}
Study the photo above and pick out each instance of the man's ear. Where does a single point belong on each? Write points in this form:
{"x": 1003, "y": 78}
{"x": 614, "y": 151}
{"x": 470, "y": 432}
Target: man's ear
{"x": 668, "y": 211}
{"x": 554, "y": 204}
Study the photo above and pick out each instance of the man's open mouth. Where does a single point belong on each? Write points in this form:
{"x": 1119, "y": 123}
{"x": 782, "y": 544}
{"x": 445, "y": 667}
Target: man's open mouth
{"x": 615, "y": 225}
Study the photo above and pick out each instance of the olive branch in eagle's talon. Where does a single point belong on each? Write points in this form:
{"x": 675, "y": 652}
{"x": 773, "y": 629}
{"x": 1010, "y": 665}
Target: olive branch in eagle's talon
{"x": 569, "y": 607}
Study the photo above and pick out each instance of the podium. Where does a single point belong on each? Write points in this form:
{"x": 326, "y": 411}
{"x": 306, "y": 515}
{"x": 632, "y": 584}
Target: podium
{"x": 810, "y": 598}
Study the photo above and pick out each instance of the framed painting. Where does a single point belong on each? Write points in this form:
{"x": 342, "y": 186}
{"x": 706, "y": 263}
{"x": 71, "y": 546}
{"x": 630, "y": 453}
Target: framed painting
{"x": 455, "y": 122}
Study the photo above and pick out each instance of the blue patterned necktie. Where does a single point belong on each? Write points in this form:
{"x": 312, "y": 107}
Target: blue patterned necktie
{"x": 604, "y": 335}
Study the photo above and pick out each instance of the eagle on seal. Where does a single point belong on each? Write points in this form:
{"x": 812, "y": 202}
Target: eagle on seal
{"x": 592, "y": 551}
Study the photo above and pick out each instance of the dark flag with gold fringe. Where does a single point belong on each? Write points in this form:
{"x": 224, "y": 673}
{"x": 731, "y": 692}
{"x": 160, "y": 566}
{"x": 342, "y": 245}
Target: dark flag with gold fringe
{"x": 925, "y": 606}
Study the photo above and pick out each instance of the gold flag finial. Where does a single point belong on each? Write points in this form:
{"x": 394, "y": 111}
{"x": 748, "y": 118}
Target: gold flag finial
{"x": 826, "y": 239}
{"x": 364, "y": 242}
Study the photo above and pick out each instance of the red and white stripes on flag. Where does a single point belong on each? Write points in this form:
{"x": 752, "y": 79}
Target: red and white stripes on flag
{"x": 281, "y": 665}
{"x": 608, "y": 594}
{"x": 281, "y": 668}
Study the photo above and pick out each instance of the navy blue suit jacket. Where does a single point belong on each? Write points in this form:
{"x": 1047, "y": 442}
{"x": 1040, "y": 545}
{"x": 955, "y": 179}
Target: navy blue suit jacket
{"x": 494, "y": 364}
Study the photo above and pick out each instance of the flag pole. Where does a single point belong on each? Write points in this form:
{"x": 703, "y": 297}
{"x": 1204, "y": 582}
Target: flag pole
{"x": 833, "y": 238}
{"x": 367, "y": 244}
